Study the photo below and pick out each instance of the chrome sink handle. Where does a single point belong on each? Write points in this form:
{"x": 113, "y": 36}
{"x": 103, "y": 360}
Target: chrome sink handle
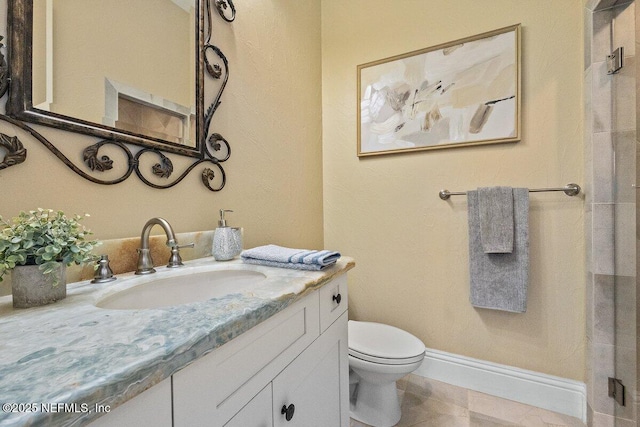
{"x": 175, "y": 260}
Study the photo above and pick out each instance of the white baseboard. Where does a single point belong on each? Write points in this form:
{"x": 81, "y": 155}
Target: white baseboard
{"x": 556, "y": 394}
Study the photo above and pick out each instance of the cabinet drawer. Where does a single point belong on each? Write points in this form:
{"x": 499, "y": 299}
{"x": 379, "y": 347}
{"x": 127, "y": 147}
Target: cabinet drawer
{"x": 214, "y": 388}
{"x": 334, "y": 300}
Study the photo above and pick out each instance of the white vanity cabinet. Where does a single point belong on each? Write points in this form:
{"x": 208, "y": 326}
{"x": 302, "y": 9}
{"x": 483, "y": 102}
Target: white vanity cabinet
{"x": 296, "y": 362}
{"x": 151, "y": 407}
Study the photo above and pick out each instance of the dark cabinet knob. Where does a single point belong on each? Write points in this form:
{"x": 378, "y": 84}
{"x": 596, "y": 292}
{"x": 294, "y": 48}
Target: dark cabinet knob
{"x": 288, "y": 411}
{"x": 337, "y": 298}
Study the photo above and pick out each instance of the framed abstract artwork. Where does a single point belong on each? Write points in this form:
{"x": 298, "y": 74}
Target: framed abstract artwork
{"x": 457, "y": 94}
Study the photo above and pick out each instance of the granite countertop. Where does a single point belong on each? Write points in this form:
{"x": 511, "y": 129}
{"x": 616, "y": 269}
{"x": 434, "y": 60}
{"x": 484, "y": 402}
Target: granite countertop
{"x": 75, "y": 353}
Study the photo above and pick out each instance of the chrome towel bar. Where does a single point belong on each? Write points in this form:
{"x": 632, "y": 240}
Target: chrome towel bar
{"x": 569, "y": 190}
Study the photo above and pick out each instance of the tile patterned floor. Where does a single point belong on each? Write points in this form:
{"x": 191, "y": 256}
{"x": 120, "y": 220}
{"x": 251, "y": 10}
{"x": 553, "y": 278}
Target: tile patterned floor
{"x": 428, "y": 403}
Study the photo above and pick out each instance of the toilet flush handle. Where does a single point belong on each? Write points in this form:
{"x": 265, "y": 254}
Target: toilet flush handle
{"x": 288, "y": 411}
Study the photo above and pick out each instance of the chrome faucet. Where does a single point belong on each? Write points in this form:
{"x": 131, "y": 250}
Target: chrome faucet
{"x": 145, "y": 263}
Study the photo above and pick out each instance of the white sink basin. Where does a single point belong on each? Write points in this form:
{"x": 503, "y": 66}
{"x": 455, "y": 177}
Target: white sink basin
{"x": 169, "y": 291}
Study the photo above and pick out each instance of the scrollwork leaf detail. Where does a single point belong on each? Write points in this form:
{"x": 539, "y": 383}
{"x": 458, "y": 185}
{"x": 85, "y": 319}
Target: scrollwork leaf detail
{"x": 164, "y": 169}
{"x": 207, "y": 176}
{"x": 214, "y": 70}
{"x": 90, "y": 157}
{"x": 222, "y": 6}
{"x": 15, "y": 151}
{"x": 214, "y": 141}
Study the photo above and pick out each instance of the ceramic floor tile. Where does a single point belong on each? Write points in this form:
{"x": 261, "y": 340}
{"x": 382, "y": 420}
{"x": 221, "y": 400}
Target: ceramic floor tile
{"x": 424, "y": 409}
{"x": 498, "y": 408}
{"x": 542, "y": 418}
{"x": 480, "y": 420}
{"x": 418, "y": 409}
{"x": 401, "y": 384}
{"x": 436, "y": 390}
{"x": 518, "y": 413}
{"x": 443, "y": 420}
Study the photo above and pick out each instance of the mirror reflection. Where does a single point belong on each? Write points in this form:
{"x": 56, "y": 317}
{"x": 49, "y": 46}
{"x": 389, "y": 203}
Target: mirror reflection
{"x": 125, "y": 64}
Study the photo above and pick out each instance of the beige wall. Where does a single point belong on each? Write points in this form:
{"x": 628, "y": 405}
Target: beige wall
{"x": 271, "y": 115}
{"x": 410, "y": 247}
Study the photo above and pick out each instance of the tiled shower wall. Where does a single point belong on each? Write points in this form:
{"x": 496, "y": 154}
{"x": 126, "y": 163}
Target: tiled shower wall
{"x": 610, "y": 213}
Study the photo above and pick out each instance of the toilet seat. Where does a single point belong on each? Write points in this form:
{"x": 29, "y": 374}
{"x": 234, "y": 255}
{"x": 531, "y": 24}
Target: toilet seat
{"x": 383, "y": 344}
{"x": 385, "y": 361}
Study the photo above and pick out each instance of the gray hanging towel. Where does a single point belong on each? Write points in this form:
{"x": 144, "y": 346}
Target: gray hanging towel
{"x": 499, "y": 281}
{"x": 495, "y": 206}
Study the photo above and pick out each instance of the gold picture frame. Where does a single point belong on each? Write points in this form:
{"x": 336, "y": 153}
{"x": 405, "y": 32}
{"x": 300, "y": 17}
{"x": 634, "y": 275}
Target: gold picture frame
{"x": 457, "y": 94}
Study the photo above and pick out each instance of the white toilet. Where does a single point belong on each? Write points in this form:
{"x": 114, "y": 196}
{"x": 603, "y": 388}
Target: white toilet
{"x": 379, "y": 355}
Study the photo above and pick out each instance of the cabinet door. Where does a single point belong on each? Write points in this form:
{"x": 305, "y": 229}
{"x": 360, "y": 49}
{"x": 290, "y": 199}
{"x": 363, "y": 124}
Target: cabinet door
{"x": 316, "y": 383}
{"x": 257, "y": 413}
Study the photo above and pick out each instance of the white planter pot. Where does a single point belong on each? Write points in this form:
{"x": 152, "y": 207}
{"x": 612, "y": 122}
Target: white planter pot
{"x": 31, "y": 288}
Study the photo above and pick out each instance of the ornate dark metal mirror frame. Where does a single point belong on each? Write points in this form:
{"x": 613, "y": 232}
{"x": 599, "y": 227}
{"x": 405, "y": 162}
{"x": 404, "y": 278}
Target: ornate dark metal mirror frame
{"x": 16, "y": 80}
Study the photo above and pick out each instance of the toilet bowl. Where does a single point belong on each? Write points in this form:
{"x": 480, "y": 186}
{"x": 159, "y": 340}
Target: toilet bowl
{"x": 379, "y": 355}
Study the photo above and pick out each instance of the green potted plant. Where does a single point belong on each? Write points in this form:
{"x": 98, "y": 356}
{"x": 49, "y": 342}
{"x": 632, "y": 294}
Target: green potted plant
{"x": 38, "y": 246}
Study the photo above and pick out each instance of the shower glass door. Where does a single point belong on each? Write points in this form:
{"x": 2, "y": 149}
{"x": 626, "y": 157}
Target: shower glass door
{"x": 625, "y": 152}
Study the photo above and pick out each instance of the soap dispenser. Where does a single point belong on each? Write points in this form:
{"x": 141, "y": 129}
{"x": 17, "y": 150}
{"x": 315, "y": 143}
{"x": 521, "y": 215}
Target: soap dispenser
{"x": 227, "y": 241}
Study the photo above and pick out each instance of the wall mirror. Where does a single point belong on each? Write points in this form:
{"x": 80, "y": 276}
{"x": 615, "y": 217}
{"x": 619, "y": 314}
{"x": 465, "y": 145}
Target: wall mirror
{"x": 130, "y": 73}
